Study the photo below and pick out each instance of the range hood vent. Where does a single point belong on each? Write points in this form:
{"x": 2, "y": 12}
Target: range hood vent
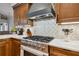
{"x": 41, "y": 10}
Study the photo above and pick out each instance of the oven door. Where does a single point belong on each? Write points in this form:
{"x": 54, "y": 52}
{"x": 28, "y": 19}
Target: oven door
{"x": 24, "y": 52}
{"x": 27, "y": 51}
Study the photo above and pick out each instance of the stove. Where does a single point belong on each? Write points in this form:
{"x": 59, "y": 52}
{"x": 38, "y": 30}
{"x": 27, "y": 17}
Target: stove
{"x": 38, "y": 43}
{"x": 40, "y": 38}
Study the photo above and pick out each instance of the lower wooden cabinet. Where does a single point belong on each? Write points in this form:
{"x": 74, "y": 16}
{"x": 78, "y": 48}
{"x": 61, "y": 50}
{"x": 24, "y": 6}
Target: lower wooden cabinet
{"x": 3, "y": 48}
{"x": 10, "y": 47}
{"x": 16, "y": 47}
{"x": 55, "y": 51}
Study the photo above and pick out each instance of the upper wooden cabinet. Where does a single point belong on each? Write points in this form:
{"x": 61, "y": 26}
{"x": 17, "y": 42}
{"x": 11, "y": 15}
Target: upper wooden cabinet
{"x": 20, "y": 13}
{"x": 67, "y": 12}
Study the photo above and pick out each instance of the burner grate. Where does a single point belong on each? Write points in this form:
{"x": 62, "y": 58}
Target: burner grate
{"x": 40, "y": 38}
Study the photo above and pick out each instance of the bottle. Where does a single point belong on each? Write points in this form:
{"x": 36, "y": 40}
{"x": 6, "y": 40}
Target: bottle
{"x": 29, "y": 33}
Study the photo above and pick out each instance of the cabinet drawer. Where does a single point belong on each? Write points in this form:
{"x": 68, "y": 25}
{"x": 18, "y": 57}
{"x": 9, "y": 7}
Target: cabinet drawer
{"x": 62, "y": 52}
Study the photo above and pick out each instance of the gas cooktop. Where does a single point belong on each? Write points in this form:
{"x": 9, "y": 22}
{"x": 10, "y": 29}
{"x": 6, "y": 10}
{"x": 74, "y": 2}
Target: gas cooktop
{"x": 40, "y": 38}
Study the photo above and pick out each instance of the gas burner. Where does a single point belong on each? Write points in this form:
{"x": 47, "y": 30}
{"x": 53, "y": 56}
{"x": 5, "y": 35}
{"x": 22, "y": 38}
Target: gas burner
{"x": 40, "y": 38}
{"x": 35, "y": 42}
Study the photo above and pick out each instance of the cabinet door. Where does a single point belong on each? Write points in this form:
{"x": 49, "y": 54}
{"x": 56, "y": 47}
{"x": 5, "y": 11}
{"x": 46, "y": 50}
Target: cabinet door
{"x": 56, "y": 51}
{"x": 23, "y": 13}
{"x": 13, "y": 47}
{"x": 24, "y": 10}
{"x": 67, "y": 12}
{"x": 16, "y": 16}
{"x": 10, "y": 47}
{"x": 3, "y": 48}
{"x": 20, "y": 13}
{"x": 16, "y": 47}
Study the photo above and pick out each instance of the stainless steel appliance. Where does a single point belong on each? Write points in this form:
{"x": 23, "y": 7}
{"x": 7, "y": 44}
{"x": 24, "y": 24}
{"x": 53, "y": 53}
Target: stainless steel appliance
{"x": 38, "y": 43}
{"x": 41, "y": 10}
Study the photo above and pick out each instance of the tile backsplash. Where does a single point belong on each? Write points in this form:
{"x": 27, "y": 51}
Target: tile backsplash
{"x": 48, "y": 27}
{"x": 45, "y": 27}
{"x": 74, "y": 35}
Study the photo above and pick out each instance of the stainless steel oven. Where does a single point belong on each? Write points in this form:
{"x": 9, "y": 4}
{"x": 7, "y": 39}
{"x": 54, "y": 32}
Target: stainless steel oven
{"x": 26, "y": 53}
{"x": 30, "y": 51}
{"x": 37, "y": 45}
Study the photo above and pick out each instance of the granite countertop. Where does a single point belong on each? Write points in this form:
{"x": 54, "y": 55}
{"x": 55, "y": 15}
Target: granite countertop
{"x": 11, "y": 36}
{"x": 69, "y": 45}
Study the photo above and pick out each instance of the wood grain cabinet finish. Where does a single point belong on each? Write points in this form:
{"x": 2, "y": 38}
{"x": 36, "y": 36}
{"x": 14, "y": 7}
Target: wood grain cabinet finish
{"x": 55, "y": 51}
{"x": 10, "y": 47}
{"x": 67, "y": 12}
{"x": 16, "y": 46}
{"x": 3, "y": 47}
{"x": 20, "y": 13}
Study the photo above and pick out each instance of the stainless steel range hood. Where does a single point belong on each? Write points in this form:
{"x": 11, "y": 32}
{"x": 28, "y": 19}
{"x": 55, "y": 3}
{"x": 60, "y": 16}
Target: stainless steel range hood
{"x": 41, "y": 10}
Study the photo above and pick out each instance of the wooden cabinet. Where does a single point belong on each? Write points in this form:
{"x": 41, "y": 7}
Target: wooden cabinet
{"x": 67, "y": 12}
{"x": 55, "y": 51}
{"x": 16, "y": 47}
{"x": 10, "y": 47}
{"x": 3, "y": 47}
{"x": 20, "y": 13}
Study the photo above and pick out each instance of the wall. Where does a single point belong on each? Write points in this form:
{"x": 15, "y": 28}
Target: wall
{"x": 45, "y": 27}
{"x": 6, "y": 9}
{"x": 74, "y": 35}
{"x": 3, "y": 21}
{"x": 50, "y": 28}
